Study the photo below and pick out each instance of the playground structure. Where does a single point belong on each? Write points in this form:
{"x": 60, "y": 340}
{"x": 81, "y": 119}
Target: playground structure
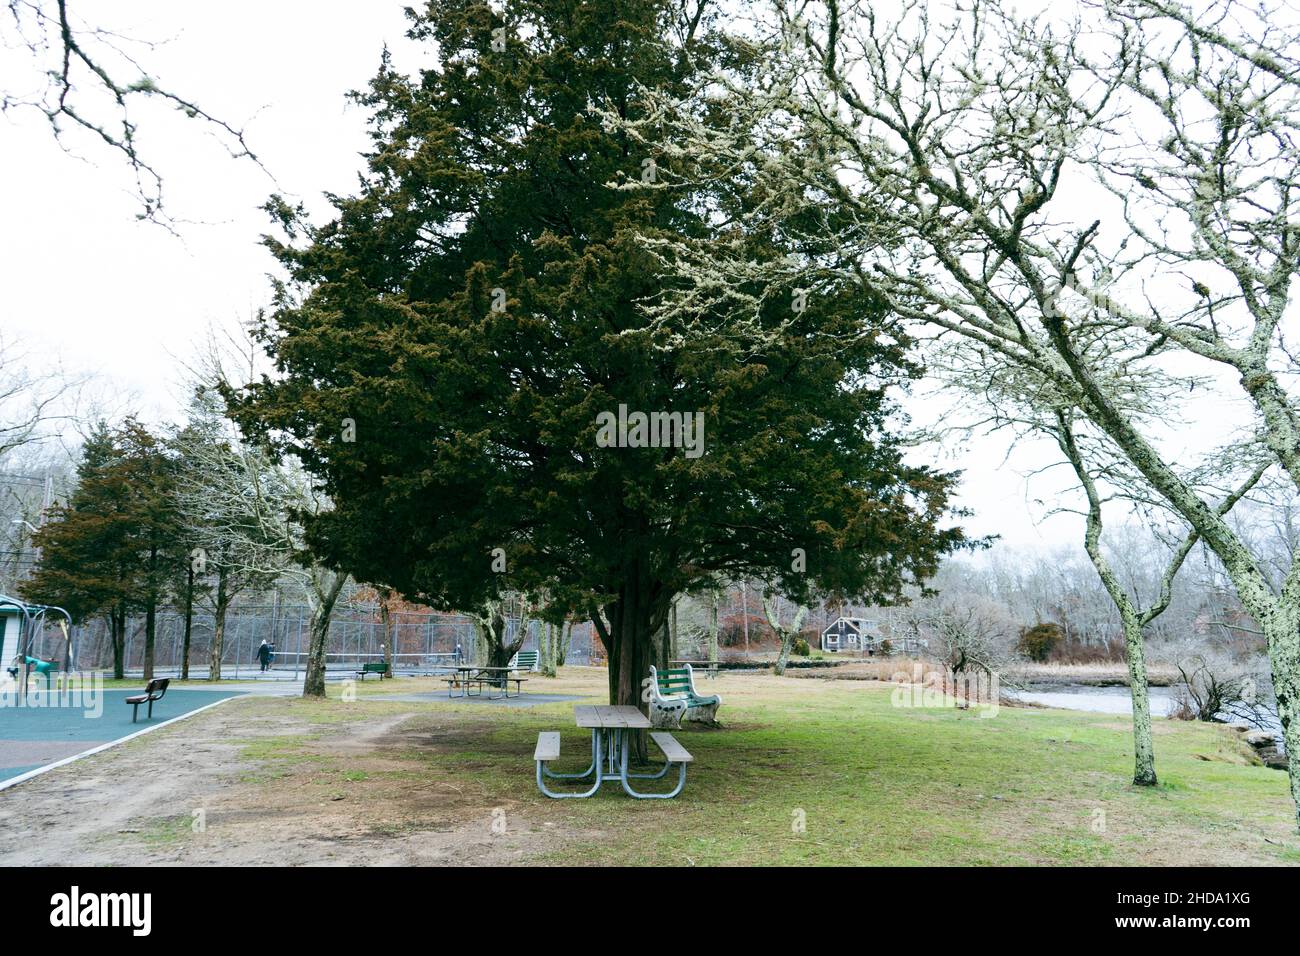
{"x": 22, "y": 629}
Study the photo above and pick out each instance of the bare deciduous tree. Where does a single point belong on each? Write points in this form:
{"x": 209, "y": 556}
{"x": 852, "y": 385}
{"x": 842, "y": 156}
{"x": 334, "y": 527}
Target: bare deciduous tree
{"x": 786, "y": 631}
{"x": 87, "y": 77}
{"x": 945, "y": 158}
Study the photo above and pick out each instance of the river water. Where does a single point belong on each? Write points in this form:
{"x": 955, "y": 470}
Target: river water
{"x": 1101, "y": 700}
{"x": 1108, "y": 700}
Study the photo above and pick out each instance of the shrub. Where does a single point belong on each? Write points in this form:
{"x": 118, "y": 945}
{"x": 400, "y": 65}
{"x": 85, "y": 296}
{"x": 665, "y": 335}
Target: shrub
{"x": 886, "y": 647}
{"x": 1038, "y": 642}
{"x": 801, "y": 647}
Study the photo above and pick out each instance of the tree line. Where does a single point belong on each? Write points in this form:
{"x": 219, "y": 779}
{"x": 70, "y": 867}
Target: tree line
{"x": 190, "y": 516}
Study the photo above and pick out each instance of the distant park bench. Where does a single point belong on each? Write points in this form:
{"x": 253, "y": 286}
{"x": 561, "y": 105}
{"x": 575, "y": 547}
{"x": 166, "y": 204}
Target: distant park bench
{"x": 373, "y": 667}
{"x": 153, "y": 691}
{"x": 525, "y": 661}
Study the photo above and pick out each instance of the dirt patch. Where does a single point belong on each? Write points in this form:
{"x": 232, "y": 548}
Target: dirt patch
{"x": 262, "y": 781}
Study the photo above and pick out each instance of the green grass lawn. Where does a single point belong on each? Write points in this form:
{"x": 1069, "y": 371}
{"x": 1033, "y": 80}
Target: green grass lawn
{"x": 809, "y": 772}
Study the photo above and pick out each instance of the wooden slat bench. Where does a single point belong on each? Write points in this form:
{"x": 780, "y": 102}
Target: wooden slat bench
{"x": 525, "y": 661}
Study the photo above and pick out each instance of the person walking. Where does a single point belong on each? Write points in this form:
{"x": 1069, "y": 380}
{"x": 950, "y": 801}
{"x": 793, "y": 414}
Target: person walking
{"x": 264, "y": 655}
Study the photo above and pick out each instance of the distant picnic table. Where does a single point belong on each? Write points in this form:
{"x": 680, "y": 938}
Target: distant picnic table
{"x": 466, "y": 675}
{"x": 710, "y": 667}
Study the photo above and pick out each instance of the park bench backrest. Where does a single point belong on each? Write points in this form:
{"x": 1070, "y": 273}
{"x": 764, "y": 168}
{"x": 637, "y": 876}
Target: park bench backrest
{"x": 157, "y": 686}
{"x": 677, "y": 681}
{"x": 524, "y": 660}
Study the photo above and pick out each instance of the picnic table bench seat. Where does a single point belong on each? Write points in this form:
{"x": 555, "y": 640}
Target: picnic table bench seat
{"x": 548, "y": 746}
{"x": 673, "y": 699}
{"x": 673, "y": 750}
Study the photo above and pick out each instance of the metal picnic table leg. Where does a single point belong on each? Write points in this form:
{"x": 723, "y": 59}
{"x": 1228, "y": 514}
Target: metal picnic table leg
{"x": 681, "y": 781}
{"x": 586, "y": 773}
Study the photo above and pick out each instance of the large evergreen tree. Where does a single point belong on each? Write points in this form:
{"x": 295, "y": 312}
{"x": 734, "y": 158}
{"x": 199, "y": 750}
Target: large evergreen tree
{"x": 446, "y": 344}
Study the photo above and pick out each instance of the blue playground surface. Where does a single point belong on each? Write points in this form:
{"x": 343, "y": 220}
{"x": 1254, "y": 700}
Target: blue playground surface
{"x": 34, "y": 736}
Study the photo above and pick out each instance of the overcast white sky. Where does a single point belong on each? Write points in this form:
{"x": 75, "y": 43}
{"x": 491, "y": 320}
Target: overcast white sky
{"x": 84, "y": 282}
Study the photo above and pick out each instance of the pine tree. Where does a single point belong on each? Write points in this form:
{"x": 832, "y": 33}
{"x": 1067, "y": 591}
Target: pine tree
{"x": 108, "y": 550}
{"x": 475, "y": 314}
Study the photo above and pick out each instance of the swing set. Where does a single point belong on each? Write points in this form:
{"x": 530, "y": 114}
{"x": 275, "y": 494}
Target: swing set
{"x": 31, "y": 622}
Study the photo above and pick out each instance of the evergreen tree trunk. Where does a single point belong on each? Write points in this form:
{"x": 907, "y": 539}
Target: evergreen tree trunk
{"x": 636, "y": 620}
{"x": 662, "y": 647}
{"x": 674, "y": 651}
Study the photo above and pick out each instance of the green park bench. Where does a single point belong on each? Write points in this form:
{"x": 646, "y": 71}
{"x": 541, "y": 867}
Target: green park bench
{"x": 373, "y": 667}
{"x": 525, "y": 661}
{"x": 673, "y": 698}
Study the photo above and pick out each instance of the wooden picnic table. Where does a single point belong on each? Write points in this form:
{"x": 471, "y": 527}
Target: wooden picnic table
{"x": 611, "y": 727}
{"x": 610, "y": 717}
